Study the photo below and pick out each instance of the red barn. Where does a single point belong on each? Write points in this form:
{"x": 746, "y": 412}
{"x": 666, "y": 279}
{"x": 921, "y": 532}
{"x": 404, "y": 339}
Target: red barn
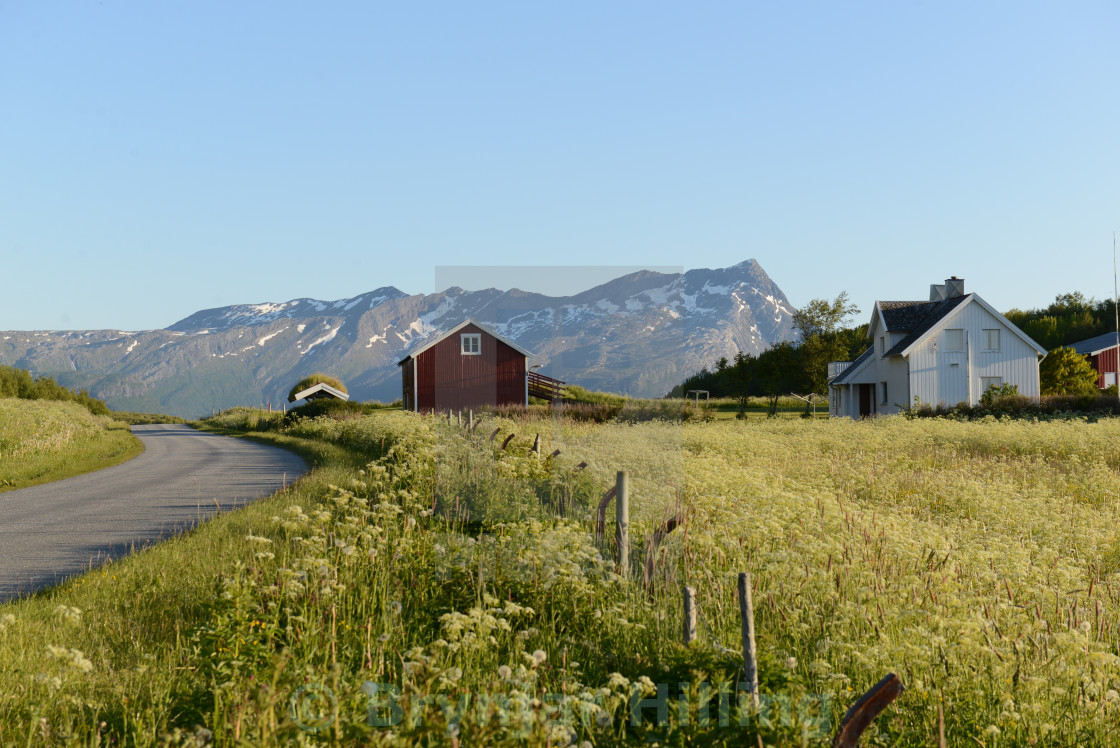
{"x": 1101, "y": 352}
{"x": 466, "y": 367}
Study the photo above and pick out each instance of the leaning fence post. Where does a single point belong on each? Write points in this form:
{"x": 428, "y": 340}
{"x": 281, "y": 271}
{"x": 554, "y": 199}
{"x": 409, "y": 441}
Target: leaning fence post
{"x": 536, "y": 446}
{"x": 863, "y": 712}
{"x": 750, "y": 654}
{"x": 689, "y": 615}
{"x": 622, "y": 521}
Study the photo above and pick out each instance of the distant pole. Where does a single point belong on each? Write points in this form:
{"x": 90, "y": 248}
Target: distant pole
{"x": 470, "y": 420}
{"x": 622, "y": 521}
{"x": 1116, "y": 313}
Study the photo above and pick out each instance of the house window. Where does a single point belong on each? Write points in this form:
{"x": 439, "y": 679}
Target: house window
{"x": 986, "y": 382}
{"x": 954, "y": 340}
{"x": 882, "y": 346}
{"x": 991, "y": 340}
{"x": 883, "y": 385}
{"x": 1109, "y": 378}
{"x": 472, "y": 343}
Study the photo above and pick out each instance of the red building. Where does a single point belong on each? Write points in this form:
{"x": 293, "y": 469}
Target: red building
{"x": 1101, "y": 352}
{"x": 466, "y": 367}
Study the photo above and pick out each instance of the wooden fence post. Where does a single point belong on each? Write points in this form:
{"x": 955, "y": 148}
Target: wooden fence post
{"x": 750, "y": 654}
{"x": 622, "y": 521}
{"x": 470, "y": 420}
{"x": 537, "y": 446}
{"x": 689, "y": 615}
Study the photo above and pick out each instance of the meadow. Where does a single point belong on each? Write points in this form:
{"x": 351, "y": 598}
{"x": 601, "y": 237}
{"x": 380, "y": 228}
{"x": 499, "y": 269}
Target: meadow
{"x": 425, "y": 586}
{"x": 45, "y": 440}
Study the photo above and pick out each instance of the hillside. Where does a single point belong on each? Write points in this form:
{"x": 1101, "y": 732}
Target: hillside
{"x": 639, "y": 334}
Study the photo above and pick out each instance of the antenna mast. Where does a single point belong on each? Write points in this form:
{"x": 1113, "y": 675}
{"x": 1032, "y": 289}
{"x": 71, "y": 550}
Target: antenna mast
{"x": 1116, "y": 312}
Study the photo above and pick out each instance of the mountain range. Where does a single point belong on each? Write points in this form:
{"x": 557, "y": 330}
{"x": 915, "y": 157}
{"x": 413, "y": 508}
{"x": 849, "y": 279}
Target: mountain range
{"x": 639, "y": 335}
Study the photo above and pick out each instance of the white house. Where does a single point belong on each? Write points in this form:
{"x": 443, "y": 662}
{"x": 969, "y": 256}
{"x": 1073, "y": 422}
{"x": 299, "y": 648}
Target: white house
{"x": 943, "y": 351}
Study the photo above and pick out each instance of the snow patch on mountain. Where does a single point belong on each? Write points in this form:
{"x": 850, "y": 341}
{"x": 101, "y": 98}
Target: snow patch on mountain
{"x": 325, "y": 339}
{"x": 270, "y": 336}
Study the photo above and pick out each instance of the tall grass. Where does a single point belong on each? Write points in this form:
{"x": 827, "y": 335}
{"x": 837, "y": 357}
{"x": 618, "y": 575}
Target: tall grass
{"x": 447, "y": 569}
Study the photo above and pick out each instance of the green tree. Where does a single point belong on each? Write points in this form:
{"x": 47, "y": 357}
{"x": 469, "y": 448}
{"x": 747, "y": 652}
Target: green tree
{"x": 1071, "y": 317}
{"x": 819, "y": 324}
{"x": 780, "y": 370}
{"x": 743, "y": 374}
{"x": 1064, "y": 371}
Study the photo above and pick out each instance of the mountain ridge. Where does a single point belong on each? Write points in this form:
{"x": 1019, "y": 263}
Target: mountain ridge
{"x": 637, "y": 334}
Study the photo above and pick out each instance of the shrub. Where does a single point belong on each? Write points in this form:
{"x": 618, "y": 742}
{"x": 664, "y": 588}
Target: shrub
{"x": 339, "y": 410}
{"x": 997, "y": 392}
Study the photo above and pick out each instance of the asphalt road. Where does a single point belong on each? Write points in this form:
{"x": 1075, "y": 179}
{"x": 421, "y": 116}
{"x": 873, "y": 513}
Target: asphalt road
{"x": 55, "y": 530}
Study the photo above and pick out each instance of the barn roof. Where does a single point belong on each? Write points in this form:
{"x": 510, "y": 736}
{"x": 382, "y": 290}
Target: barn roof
{"x": 319, "y": 388}
{"x": 457, "y": 328}
{"x": 1093, "y": 346}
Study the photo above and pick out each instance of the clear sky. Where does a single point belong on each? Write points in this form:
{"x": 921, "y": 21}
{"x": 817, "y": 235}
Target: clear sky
{"x": 157, "y": 158}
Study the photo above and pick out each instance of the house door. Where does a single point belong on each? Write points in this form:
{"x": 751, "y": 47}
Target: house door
{"x": 954, "y": 383}
{"x": 866, "y": 400}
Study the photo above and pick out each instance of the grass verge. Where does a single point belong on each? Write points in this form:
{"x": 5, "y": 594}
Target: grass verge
{"x": 46, "y": 440}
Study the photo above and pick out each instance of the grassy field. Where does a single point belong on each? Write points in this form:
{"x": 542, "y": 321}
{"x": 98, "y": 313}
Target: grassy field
{"x": 423, "y": 586}
{"x": 46, "y": 440}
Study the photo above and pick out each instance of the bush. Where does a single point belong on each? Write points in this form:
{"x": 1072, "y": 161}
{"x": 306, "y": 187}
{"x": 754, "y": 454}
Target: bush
{"x": 997, "y": 392}
{"x": 339, "y": 410}
{"x": 1048, "y": 407}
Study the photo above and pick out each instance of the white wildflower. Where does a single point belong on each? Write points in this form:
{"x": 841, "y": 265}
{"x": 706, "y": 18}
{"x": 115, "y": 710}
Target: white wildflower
{"x": 68, "y": 613}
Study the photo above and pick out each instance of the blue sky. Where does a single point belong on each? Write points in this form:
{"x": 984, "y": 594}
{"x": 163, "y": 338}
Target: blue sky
{"x": 161, "y": 158}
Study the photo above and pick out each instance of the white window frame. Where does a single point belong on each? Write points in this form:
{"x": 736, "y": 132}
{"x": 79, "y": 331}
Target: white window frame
{"x": 884, "y": 388}
{"x": 948, "y": 339}
{"x": 1109, "y": 379}
{"x": 470, "y": 344}
{"x": 997, "y": 381}
{"x": 988, "y": 339}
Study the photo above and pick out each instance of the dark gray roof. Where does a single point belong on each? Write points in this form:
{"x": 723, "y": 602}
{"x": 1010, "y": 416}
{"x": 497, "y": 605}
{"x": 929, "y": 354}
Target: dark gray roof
{"x": 903, "y": 316}
{"x": 935, "y": 311}
{"x": 839, "y": 378}
{"x": 1092, "y": 345}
